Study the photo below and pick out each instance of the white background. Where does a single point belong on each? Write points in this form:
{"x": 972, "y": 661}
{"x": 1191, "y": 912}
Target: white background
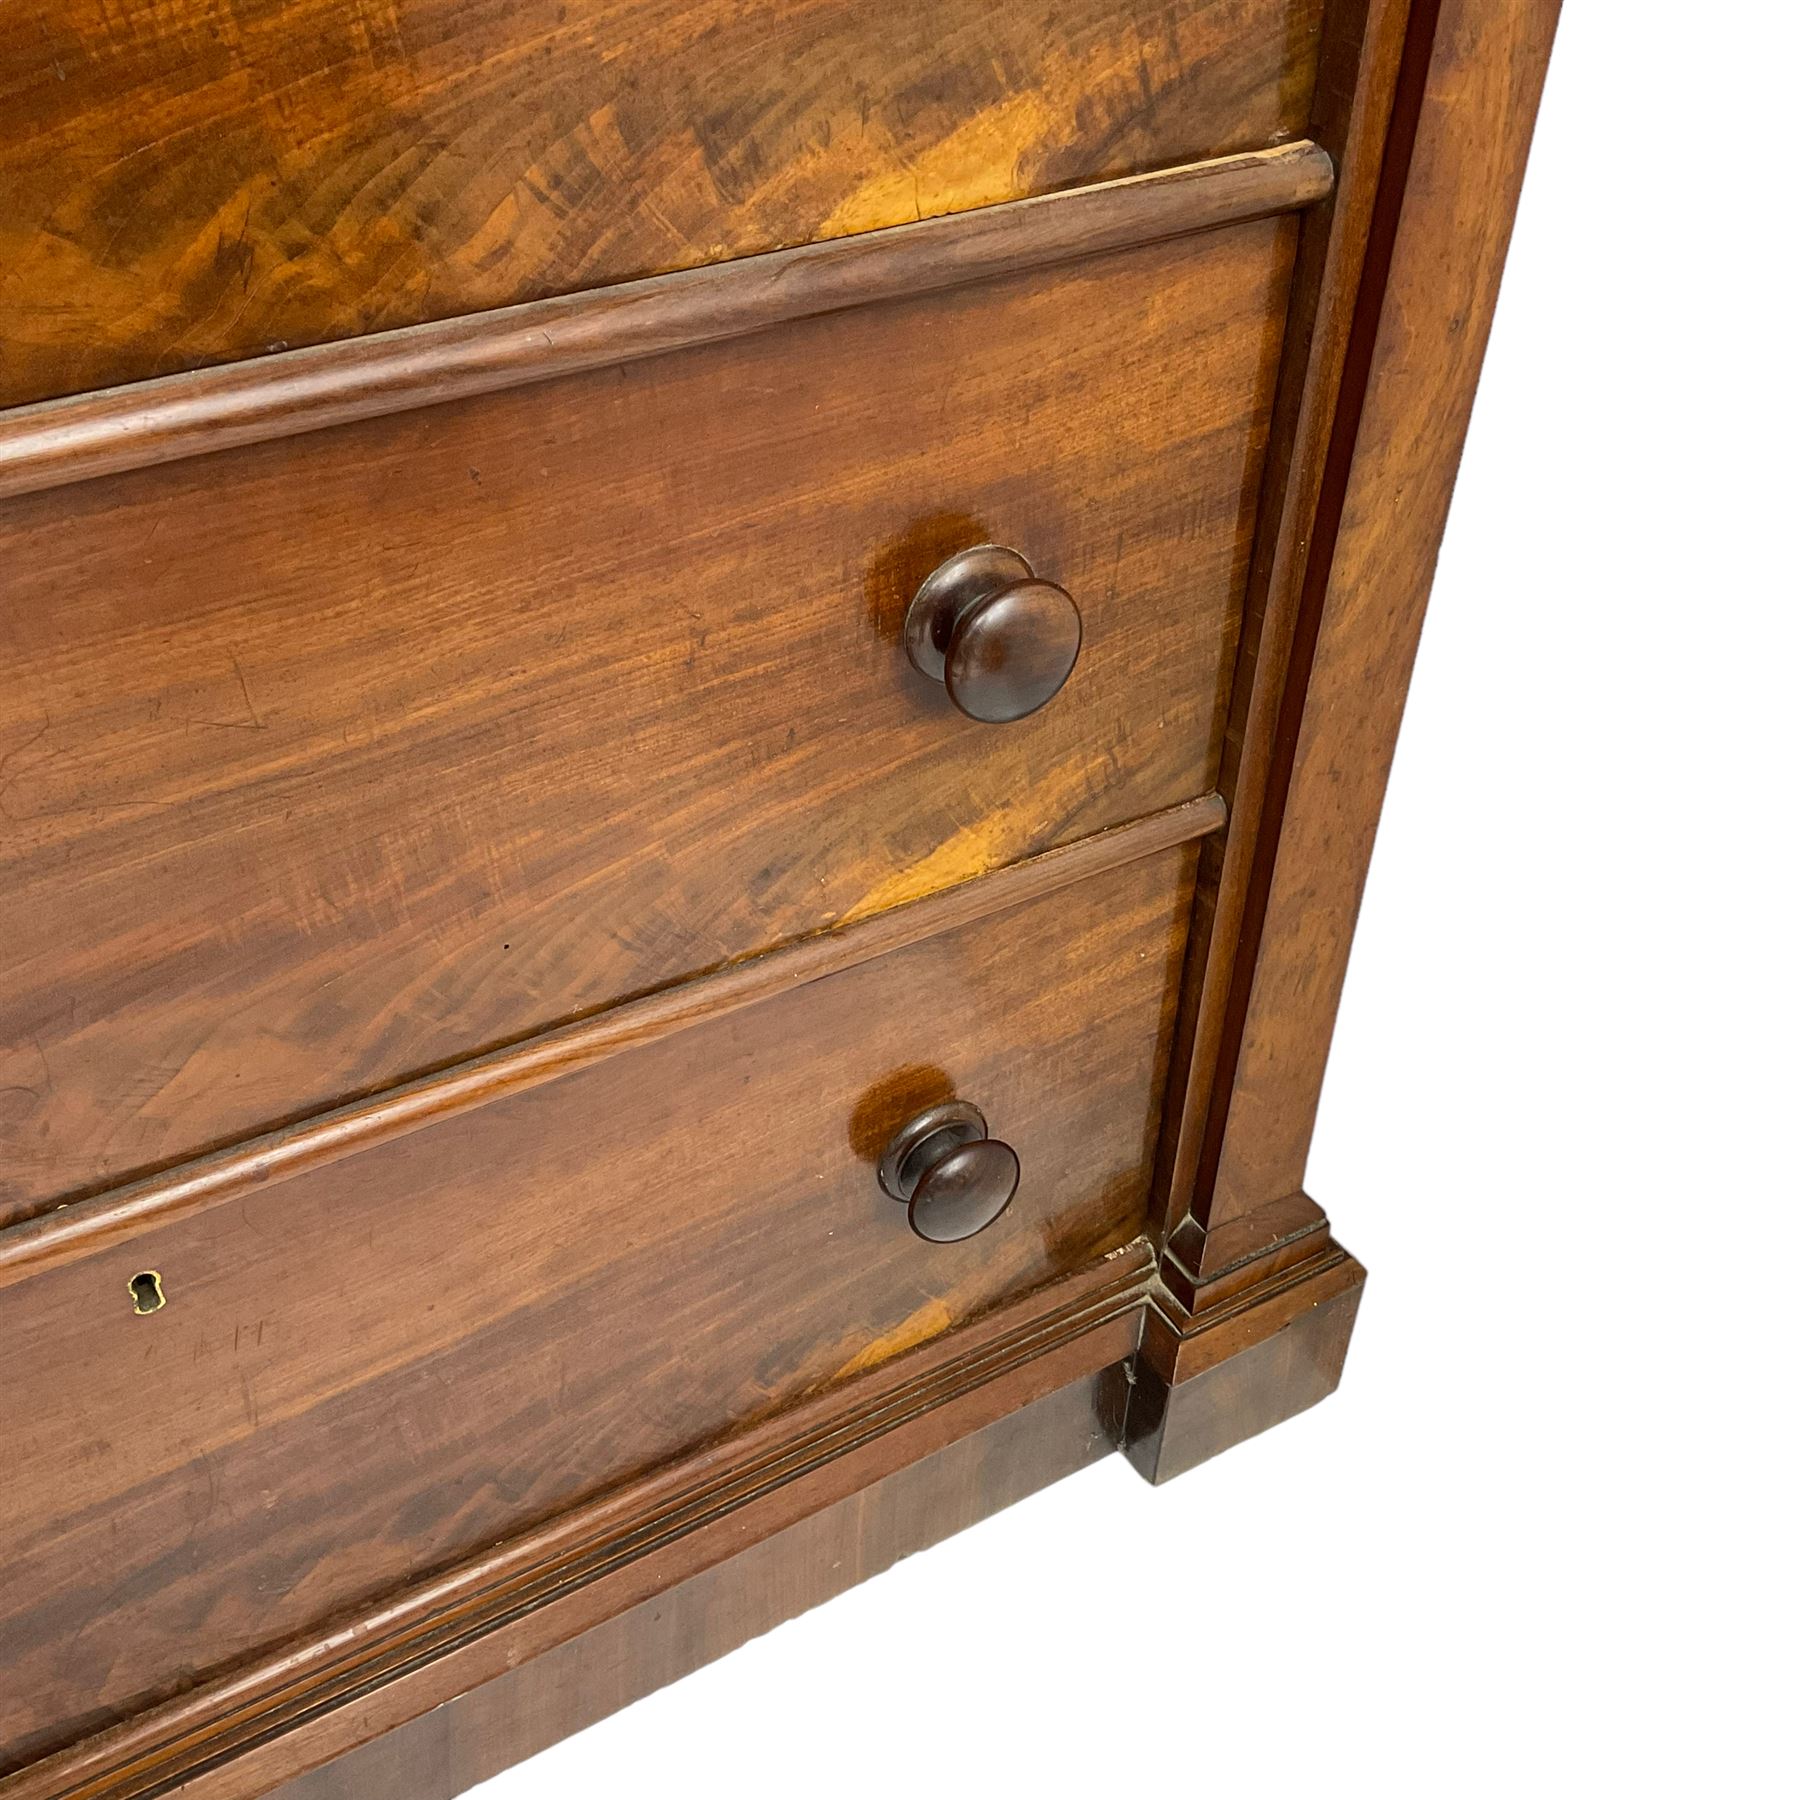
{"x": 1542, "y": 1540}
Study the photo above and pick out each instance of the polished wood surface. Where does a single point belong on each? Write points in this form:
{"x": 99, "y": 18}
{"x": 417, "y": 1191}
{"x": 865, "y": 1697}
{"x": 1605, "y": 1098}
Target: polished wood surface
{"x": 822, "y": 1554}
{"x": 1335, "y": 606}
{"x": 67, "y": 1233}
{"x": 305, "y": 1724}
{"x": 192, "y": 183}
{"x": 344, "y": 758}
{"x": 222, "y": 408}
{"x": 1474, "y": 104}
{"x": 292, "y": 1706}
{"x": 374, "y": 1371}
{"x": 1360, "y": 58}
{"x": 523, "y": 999}
{"x": 1198, "y": 1388}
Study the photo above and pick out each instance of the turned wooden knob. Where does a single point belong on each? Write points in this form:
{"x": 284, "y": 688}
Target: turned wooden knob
{"x": 1001, "y": 641}
{"x": 954, "y": 1178}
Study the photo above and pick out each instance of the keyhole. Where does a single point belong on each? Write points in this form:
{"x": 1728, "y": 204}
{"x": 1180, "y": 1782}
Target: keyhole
{"x": 146, "y": 1293}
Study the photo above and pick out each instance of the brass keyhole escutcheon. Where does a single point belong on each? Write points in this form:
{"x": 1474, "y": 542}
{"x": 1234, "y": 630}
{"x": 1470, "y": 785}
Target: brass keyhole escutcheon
{"x": 147, "y": 1294}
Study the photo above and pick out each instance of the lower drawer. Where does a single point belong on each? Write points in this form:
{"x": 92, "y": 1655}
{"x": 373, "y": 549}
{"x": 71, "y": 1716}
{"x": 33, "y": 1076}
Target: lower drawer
{"x": 376, "y": 1369}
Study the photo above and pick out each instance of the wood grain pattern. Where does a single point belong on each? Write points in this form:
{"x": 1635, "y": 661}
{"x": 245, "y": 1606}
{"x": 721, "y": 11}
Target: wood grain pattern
{"x": 1436, "y": 276}
{"x": 231, "y": 1757}
{"x": 374, "y": 1371}
{"x": 1352, "y": 110}
{"x": 32, "y": 1246}
{"x": 1238, "y": 1253}
{"x": 225, "y": 407}
{"x": 524, "y": 1711}
{"x": 199, "y": 180}
{"x": 336, "y": 760}
{"x": 1269, "y": 1355}
{"x": 315, "y": 1697}
{"x": 543, "y": 766}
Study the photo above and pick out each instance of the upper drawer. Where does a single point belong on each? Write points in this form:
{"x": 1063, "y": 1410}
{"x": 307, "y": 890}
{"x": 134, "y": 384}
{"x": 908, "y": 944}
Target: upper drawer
{"x": 332, "y": 760}
{"x": 199, "y": 180}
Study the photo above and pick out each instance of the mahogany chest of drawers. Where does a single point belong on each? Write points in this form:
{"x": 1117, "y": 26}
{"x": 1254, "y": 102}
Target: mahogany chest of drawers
{"x": 695, "y": 697}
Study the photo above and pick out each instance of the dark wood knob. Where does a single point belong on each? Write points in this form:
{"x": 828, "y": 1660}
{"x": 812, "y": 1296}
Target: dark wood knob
{"x": 1001, "y": 641}
{"x": 954, "y": 1178}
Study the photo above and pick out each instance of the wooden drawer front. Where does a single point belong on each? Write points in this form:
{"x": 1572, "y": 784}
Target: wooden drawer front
{"x": 378, "y": 1368}
{"x": 201, "y": 185}
{"x": 331, "y": 761}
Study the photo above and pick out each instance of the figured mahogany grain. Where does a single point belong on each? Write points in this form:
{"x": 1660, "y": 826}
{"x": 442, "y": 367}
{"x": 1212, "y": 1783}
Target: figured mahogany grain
{"x": 328, "y": 762}
{"x": 545, "y": 1402}
{"x": 205, "y": 411}
{"x": 377, "y": 1369}
{"x": 289, "y": 1707}
{"x": 66, "y": 1233}
{"x": 442, "y": 1752}
{"x": 195, "y": 180}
